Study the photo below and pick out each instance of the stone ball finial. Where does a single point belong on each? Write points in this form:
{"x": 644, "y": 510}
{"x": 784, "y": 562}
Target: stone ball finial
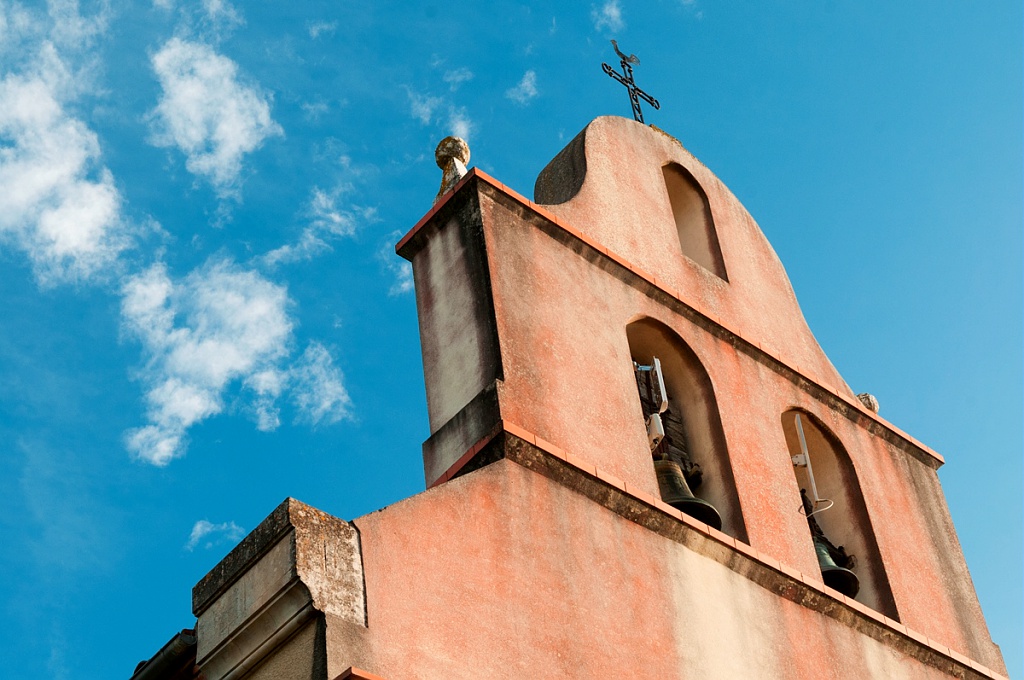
{"x": 869, "y": 401}
{"x": 451, "y": 147}
{"x": 451, "y": 155}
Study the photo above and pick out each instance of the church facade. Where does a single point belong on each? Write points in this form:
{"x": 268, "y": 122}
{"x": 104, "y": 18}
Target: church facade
{"x": 640, "y": 464}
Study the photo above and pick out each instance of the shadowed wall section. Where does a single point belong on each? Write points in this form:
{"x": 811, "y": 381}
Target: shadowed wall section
{"x": 694, "y": 223}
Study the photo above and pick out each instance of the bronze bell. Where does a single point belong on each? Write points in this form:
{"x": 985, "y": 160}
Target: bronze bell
{"x": 835, "y": 577}
{"x": 676, "y": 492}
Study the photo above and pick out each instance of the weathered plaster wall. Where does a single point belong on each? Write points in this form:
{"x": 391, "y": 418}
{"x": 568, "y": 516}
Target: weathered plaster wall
{"x": 456, "y": 331}
{"x": 560, "y": 302}
{"x": 621, "y": 202}
{"x": 561, "y": 320}
{"x": 519, "y": 576}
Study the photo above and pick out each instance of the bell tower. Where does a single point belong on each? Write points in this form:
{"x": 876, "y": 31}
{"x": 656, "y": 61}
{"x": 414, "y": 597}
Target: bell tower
{"x": 635, "y": 270}
{"x": 640, "y": 463}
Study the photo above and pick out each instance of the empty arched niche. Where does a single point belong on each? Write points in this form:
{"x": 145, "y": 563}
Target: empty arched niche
{"x": 691, "y": 421}
{"x": 839, "y": 514}
{"x": 694, "y": 223}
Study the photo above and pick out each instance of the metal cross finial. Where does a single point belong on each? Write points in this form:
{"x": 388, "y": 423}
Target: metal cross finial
{"x": 626, "y": 78}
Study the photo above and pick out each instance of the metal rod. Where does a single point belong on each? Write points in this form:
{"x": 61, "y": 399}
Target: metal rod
{"x": 807, "y": 458}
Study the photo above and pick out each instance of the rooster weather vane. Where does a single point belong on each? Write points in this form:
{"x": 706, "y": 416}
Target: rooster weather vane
{"x": 626, "y": 78}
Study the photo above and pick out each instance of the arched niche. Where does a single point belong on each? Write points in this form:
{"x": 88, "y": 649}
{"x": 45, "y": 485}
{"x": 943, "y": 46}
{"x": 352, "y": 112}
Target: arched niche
{"x": 691, "y": 396}
{"x": 846, "y": 523}
{"x": 695, "y": 225}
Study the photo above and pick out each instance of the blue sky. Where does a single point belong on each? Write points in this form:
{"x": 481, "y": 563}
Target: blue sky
{"x": 203, "y": 314}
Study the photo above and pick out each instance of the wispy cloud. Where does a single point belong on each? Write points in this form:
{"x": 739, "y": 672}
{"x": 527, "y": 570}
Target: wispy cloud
{"x": 328, "y": 221}
{"x": 314, "y": 110}
{"x": 318, "y": 28}
{"x": 399, "y": 270}
{"x": 212, "y": 19}
{"x": 318, "y": 388}
{"x": 222, "y": 14}
{"x": 267, "y": 385}
{"x": 208, "y": 113}
{"x": 70, "y": 528}
{"x": 456, "y": 77}
{"x": 608, "y": 16}
{"x": 70, "y": 28}
{"x": 694, "y": 8}
{"x": 210, "y": 534}
{"x": 422, "y": 107}
{"x": 57, "y": 664}
{"x": 525, "y": 90}
{"x": 459, "y": 122}
{"x": 428, "y": 108}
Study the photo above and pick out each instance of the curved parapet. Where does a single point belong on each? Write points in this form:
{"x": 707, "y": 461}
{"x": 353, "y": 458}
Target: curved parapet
{"x": 637, "y": 191}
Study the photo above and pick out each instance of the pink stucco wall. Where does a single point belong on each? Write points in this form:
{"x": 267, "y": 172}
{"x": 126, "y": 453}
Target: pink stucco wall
{"x": 556, "y": 287}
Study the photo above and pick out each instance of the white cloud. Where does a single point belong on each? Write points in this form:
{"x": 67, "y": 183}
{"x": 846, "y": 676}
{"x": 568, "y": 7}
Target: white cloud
{"x": 398, "y": 268}
{"x": 609, "y": 16}
{"x": 403, "y": 278}
{"x": 58, "y": 202}
{"x": 423, "y": 106}
{"x": 317, "y": 387}
{"x": 268, "y": 385}
{"x": 314, "y": 110}
{"x": 213, "y": 534}
{"x": 456, "y": 77}
{"x": 309, "y": 245}
{"x": 70, "y": 28}
{"x": 222, "y": 14}
{"x": 207, "y": 113}
{"x": 525, "y": 90}
{"x": 327, "y": 222}
{"x": 218, "y": 325}
{"x": 212, "y": 18}
{"x": 327, "y": 217}
{"x": 459, "y": 123}
{"x": 318, "y": 28}
{"x": 221, "y": 325}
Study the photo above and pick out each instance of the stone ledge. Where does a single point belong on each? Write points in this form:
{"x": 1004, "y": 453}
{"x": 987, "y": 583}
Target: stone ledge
{"x": 242, "y": 556}
{"x": 313, "y": 530}
{"x": 525, "y": 448}
{"x": 297, "y": 563}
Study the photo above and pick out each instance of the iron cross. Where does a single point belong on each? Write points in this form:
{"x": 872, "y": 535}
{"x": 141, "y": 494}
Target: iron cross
{"x": 626, "y": 78}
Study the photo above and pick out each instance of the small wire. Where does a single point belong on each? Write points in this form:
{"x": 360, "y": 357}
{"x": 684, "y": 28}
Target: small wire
{"x": 815, "y": 512}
